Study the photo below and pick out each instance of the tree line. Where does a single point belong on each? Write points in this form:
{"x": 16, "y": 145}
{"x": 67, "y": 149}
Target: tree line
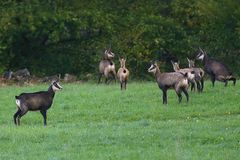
{"x": 57, "y": 36}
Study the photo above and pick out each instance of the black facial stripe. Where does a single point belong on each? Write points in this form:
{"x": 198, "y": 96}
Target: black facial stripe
{"x": 56, "y": 85}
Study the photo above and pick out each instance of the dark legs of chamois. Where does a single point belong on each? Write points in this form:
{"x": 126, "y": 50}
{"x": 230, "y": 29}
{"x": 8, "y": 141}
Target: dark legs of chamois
{"x": 164, "y": 96}
{"x": 234, "y": 80}
{"x": 213, "y": 80}
{"x": 192, "y": 86}
{"x": 180, "y": 95}
{"x": 99, "y": 78}
{"x": 108, "y": 78}
{"x": 17, "y": 116}
{"x": 112, "y": 75}
{"x": 186, "y": 94}
{"x": 202, "y": 84}
{"x": 199, "y": 86}
{"x": 123, "y": 85}
{"x": 230, "y": 79}
{"x": 44, "y": 114}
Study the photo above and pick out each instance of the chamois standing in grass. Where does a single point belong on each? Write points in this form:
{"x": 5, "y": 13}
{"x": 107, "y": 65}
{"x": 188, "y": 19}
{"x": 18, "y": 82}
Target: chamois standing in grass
{"x": 123, "y": 74}
{"x": 175, "y": 80}
{"x": 190, "y": 73}
{"x": 107, "y": 67}
{"x": 215, "y": 69}
{"x": 37, "y": 101}
{"x": 199, "y": 74}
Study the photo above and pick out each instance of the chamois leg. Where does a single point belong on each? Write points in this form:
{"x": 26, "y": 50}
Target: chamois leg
{"x": 107, "y": 80}
{"x": 233, "y": 79}
{"x": 179, "y": 96}
{"x": 198, "y": 87}
{"x": 164, "y": 97}
{"x": 125, "y": 84}
{"x": 121, "y": 85}
{"x": 186, "y": 94}
{"x": 213, "y": 80}
{"x": 44, "y": 114}
{"x": 15, "y": 116}
{"x": 22, "y": 113}
{"x": 100, "y": 76}
{"x": 114, "y": 76}
{"x": 226, "y": 83}
{"x": 192, "y": 86}
{"x": 202, "y": 84}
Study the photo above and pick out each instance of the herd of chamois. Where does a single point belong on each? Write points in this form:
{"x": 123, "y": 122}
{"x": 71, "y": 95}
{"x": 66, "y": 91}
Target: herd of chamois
{"x": 179, "y": 80}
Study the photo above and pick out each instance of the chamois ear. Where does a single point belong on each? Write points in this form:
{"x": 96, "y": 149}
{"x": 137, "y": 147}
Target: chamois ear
{"x": 188, "y": 60}
{"x": 178, "y": 62}
{"x": 59, "y": 77}
{"x": 201, "y": 50}
{"x": 156, "y": 63}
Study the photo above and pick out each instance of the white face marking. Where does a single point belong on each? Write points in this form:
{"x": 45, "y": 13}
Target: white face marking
{"x": 152, "y": 68}
{"x": 110, "y": 55}
{"x": 56, "y": 88}
{"x": 201, "y": 57}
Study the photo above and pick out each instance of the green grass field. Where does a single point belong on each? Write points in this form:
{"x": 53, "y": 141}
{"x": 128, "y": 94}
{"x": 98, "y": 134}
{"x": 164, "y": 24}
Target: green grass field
{"x": 89, "y": 121}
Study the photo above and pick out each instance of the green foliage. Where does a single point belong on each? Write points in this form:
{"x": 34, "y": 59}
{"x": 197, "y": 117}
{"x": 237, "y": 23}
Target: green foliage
{"x": 56, "y": 36}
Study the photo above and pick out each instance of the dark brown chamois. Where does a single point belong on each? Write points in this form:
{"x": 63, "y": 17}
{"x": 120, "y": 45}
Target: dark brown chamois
{"x": 37, "y": 101}
{"x": 215, "y": 69}
{"x": 123, "y": 74}
{"x": 107, "y": 67}
{"x": 199, "y": 74}
{"x": 175, "y": 80}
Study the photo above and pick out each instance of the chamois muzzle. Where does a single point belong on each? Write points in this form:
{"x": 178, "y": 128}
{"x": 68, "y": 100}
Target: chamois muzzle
{"x": 151, "y": 68}
{"x": 56, "y": 86}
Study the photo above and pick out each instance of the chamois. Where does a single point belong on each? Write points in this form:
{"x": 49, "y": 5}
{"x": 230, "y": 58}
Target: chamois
{"x": 216, "y": 70}
{"x": 41, "y": 101}
{"x": 123, "y": 73}
{"x": 107, "y": 66}
{"x": 190, "y": 73}
{"x": 199, "y": 73}
{"x": 176, "y": 80}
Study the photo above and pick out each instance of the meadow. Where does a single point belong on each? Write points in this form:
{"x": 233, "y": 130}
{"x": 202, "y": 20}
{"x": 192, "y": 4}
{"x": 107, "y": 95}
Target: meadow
{"x": 90, "y": 121}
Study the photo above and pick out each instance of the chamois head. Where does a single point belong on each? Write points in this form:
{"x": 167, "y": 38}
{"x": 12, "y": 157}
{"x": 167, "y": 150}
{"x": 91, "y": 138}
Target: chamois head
{"x": 108, "y": 54}
{"x": 153, "y": 68}
{"x": 56, "y": 86}
{"x": 122, "y": 62}
{"x": 201, "y": 54}
{"x": 175, "y": 65}
{"x": 191, "y": 63}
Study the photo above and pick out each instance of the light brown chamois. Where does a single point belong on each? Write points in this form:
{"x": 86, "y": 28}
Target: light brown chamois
{"x": 107, "y": 67}
{"x": 199, "y": 74}
{"x": 190, "y": 73}
{"x": 123, "y": 74}
{"x": 175, "y": 80}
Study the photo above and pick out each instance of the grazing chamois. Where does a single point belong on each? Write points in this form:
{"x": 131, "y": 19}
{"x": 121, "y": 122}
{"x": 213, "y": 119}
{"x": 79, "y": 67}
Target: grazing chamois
{"x": 107, "y": 67}
{"x": 215, "y": 69}
{"x": 175, "y": 80}
{"x": 123, "y": 74}
{"x": 37, "y": 101}
{"x": 190, "y": 73}
{"x": 199, "y": 74}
